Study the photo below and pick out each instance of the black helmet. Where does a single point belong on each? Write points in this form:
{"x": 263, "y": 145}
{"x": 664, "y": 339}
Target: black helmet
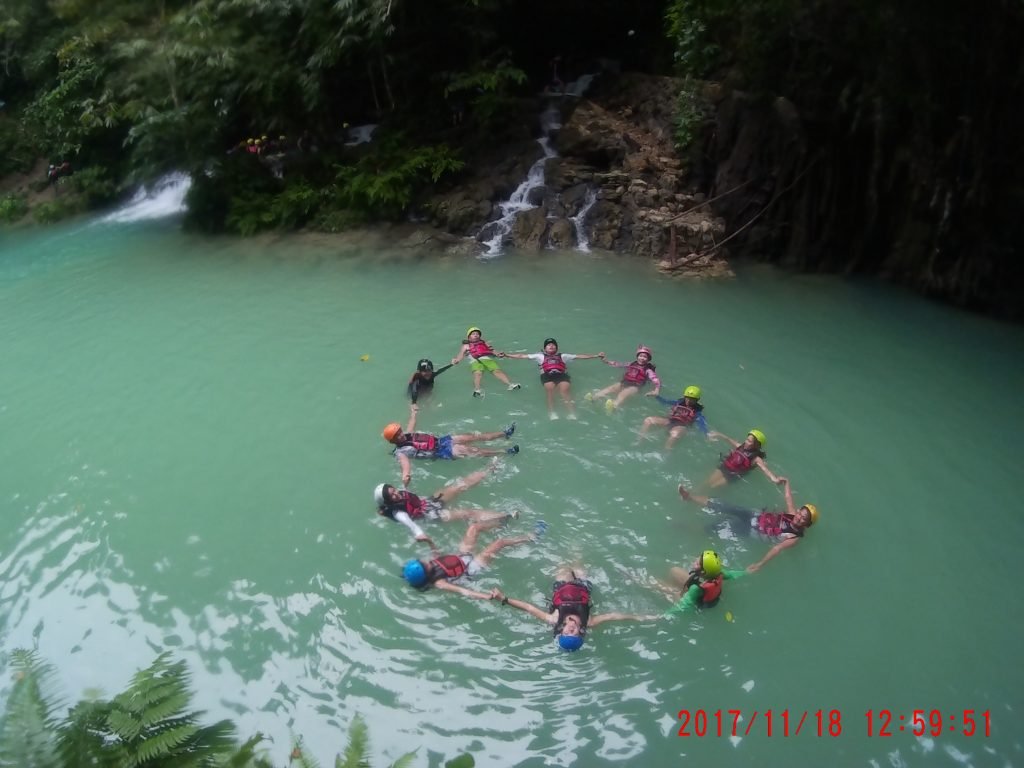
{"x": 549, "y": 341}
{"x": 424, "y": 365}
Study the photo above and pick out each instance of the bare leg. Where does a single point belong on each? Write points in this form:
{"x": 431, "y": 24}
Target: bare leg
{"x": 468, "y": 543}
{"x": 649, "y": 422}
{"x": 563, "y": 390}
{"x": 624, "y": 394}
{"x": 570, "y": 573}
{"x": 608, "y": 390}
{"x": 549, "y": 391}
{"x": 673, "y": 436}
{"x": 485, "y": 557}
{"x": 467, "y": 451}
{"x": 477, "y": 377}
{"x": 500, "y": 375}
{"x": 483, "y": 519}
{"x": 696, "y": 499}
{"x": 463, "y": 484}
{"x": 476, "y": 437}
{"x": 716, "y": 480}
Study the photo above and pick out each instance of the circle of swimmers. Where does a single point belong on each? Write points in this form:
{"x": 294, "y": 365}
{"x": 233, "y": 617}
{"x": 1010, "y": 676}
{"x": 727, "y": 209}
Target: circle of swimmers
{"x": 569, "y": 611}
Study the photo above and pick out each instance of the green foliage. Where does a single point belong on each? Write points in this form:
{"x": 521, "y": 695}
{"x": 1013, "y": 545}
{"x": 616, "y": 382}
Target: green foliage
{"x": 690, "y": 114}
{"x": 28, "y": 724}
{"x": 55, "y": 210}
{"x": 384, "y": 181}
{"x": 12, "y": 208}
{"x": 94, "y": 184}
{"x": 696, "y": 52}
{"x": 17, "y": 151}
{"x": 485, "y": 87}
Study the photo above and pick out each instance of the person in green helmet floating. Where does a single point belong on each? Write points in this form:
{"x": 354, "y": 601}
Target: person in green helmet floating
{"x": 701, "y": 587}
{"x": 783, "y": 529}
{"x": 685, "y": 412}
{"x": 569, "y": 613}
{"x": 483, "y": 360}
{"x": 743, "y": 458}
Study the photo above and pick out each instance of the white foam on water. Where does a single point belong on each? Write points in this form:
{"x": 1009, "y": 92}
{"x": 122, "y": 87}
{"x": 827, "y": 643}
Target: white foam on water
{"x": 165, "y": 197}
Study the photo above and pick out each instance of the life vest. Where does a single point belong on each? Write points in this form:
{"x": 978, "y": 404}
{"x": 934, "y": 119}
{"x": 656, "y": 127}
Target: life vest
{"x": 480, "y": 349}
{"x": 407, "y": 502}
{"x": 571, "y": 598}
{"x": 711, "y": 591}
{"x": 741, "y": 460}
{"x": 445, "y": 567}
{"x": 774, "y": 524}
{"x": 421, "y": 441}
{"x": 553, "y": 363}
{"x": 636, "y": 373}
{"x": 684, "y": 414}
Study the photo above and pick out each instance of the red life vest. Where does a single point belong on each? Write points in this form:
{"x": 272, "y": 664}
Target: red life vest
{"x": 774, "y": 524}
{"x": 572, "y": 598}
{"x": 421, "y": 441}
{"x": 711, "y": 591}
{"x": 636, "y": 373}
{"x": 446, "y": 567}
{"x": 553, "y": 363}
{"x": 741, "y": 460}
{"x": 480, "y": 349}
{"x": 683, "y": 414}
{"x": 407, "y": 502}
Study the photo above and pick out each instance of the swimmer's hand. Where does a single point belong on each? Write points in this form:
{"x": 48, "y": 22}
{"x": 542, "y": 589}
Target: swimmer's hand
{"x": 650, "y": 394}
{"x": 455, "y": 361}
{"x": 754, "y": 568}
{"x": 501, "y": 354}
{"x": 407, "y": 478}
{"x": 497, "y": 594}
{"x": 601, "y": 355}
{"x": 712, "y": 435}
{"x": 782, "y": 481}
{"x": 413, "y": 407}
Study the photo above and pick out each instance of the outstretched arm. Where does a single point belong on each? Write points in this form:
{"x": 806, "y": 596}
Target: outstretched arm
{"x": 462, "y": 353}
{"x": 702, "y": 424}
{"x": 522, "y": 605}
{"x": 773, "y": 552}
{"x": 602, "y": 618}
{"x": 442, "y": 369}
{"x": 790, "y": 506}
{"x": 447, "y": 586}
{"x": 764, "y": 468}
{"x": 406, "y": 465}
{"x": 516, "y": 355}
{"x": 414, "y": 388}
{"x": 413, "y": 410}
{"x": 591, "y": 357}
{"x": 712, "y": 435}
{"x": 653, "y": 378}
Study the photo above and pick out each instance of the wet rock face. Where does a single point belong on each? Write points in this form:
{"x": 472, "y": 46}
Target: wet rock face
{"x": 616, "y": 145}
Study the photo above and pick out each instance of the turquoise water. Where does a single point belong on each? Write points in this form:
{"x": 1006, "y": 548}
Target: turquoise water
{"x": 190, "y": 443}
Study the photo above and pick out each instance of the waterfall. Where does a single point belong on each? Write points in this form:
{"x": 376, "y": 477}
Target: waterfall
{"x": 166, "y": 197}
{"x": 582, "y": 241}
{"x": 550, "y": 120}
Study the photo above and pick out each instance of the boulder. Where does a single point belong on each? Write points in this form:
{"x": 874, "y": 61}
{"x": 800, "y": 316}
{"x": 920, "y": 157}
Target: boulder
{"x": 529, "y": 229}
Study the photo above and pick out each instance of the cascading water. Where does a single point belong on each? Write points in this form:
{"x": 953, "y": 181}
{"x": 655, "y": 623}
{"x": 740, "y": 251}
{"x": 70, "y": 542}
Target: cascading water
{"x": 519, "y": 200}
{"x": 164, "y": 198}
{"x": 582, "y": 241}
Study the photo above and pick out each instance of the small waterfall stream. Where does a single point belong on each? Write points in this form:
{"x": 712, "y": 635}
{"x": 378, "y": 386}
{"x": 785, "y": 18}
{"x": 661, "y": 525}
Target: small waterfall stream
{"x": 165, "y": 197}
{"x": 582, "y": 241}
{"x": 518, "y": 201}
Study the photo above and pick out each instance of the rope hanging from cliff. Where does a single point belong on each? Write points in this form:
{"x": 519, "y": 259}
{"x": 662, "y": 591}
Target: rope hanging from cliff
{"x": 679, "y": 216}
{"x": 757, "y": 215}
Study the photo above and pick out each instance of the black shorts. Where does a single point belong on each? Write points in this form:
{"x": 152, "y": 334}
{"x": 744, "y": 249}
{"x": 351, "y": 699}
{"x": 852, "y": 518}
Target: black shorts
{"x": 554, "y": 376}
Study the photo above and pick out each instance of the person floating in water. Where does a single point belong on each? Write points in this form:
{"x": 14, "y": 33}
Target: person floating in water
{"x": 785, "y": 529}
{"x": 636, "y": 376}
{"x": 410, "y": 444}
{"x": 569, "y": 612}
{"x": 483, "y": 359}
{"x": 743, "y": 458}
{"x": 685, "y": 412}
{"x": 554, "y": 373}
{"x": 422, "y": 381}
{"x": 410, "y": 510}
{"x": 441, "y": 571}
{"x": 701, "y": 587}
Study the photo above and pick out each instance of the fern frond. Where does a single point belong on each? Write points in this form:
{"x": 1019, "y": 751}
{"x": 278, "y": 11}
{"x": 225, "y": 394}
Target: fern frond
{"x": 462, "y": 761}
{"x": 27, "y": 729}
{"x": 300, "y": 757}
{"x": 357, "y": 752}
{"x": 163, "y": 744}
{"x": 404, "y": 761}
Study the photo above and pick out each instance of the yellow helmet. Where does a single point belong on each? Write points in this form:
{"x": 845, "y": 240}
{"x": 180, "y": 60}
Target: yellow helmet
{"x": 710, "y": 563}
{"x": 814, "y": 512}
{"x": 692, "y": 391}
{"x": 758, "y": 435}
{"x": 473, "y": 328}
{"x": 391, "y": 430}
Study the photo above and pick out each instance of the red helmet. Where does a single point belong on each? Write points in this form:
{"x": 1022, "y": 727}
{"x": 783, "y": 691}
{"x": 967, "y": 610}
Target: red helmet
{"x": 646, "y": 351}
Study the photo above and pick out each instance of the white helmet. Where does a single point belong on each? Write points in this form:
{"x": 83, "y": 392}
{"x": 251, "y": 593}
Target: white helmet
{"x": 378, "y": 495}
